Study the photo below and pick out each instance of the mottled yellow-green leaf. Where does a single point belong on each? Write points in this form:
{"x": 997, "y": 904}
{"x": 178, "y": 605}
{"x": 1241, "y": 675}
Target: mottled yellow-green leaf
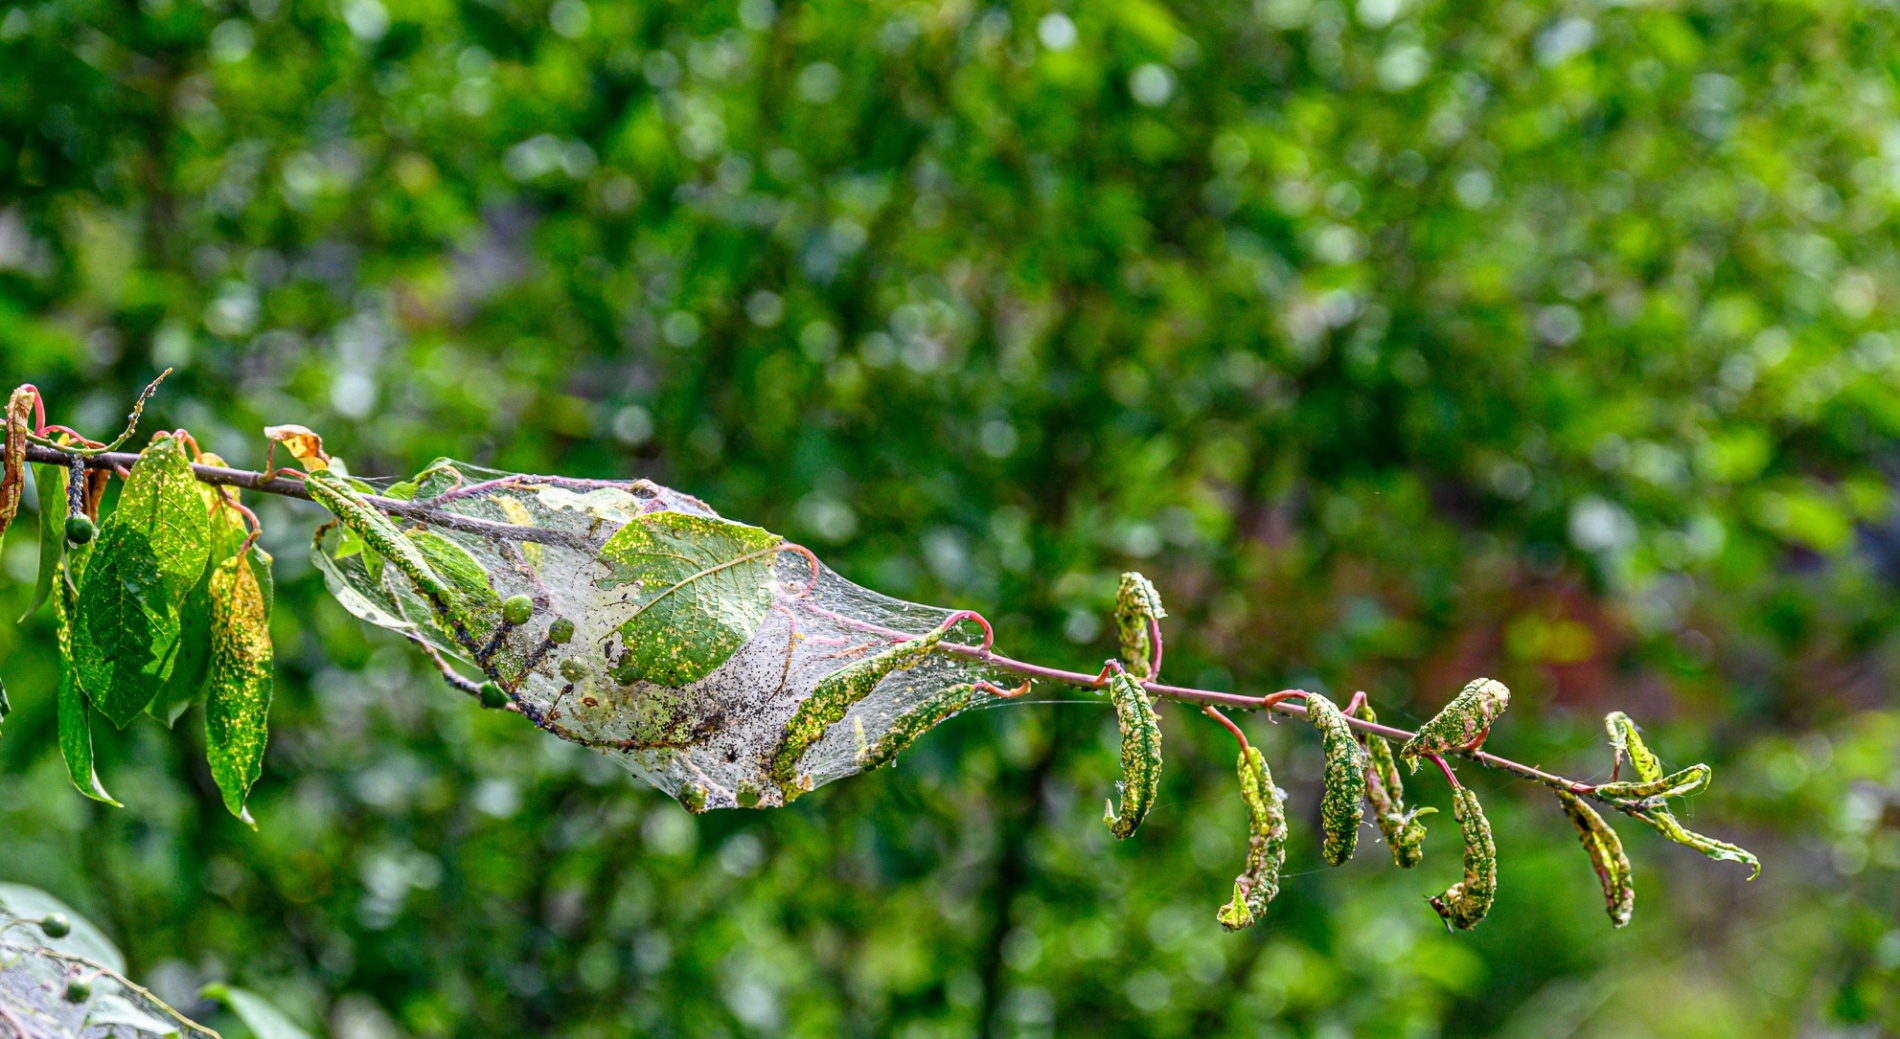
{"x": 697, "y": 588}
{"x": 832, "y": 698}
{"x": 1342, "y": 806}
{"x": 1626, "y": 740}
{"x": 1141, "y": 754}
{"x": 1684, "y": 783}
{"x": 1462, "y": 722}
{"x": 1259, "y": 880}
{"x": 1605, "y": 849}
{"x": 1664, "y": 822}
{"x": 186, "y": 684}
{"x": 145, "y": 559}
{"x": 238, "y": 688}
{"x": 1464, "y": 904}
{"x": 1137, "y": 604}
{"x": 916, "y": 721}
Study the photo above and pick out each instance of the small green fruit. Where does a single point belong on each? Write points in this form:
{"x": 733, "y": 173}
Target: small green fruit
{"x": 693, "y": 798}
{"x": 573, "y": 670}
{"x": 78, "y": 991}
{"x": 561, "y": 631}
{"x": 55, "y": 925}
{"x": 79, "y": 529}
{"x": 493, "y": 696}
{"x": 516, "y": 610}
{"x": 748, "y": 795}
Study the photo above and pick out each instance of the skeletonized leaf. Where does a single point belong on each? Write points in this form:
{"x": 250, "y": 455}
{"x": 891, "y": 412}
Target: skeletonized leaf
{"x": 50, "y": 480}
{"x": 1341, "y": 807}
{"x": 238, "y": 689}
{"x": 147, "y": 556}
{"x": 696, "y": 589}
{"x": 1463, "y": 721}
{"x": 833, "y": 697}
{"x": 1385, "y": 791}
{"x": 1137, "y": 605}
{"x": 1259, "y": 881}
{"x": 1464, "y": 904}
{"x": 1141, "y": 754}
{"x": 1605, "y": 849}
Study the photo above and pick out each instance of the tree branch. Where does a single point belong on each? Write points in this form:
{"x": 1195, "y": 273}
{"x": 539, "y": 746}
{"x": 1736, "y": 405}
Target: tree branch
{"x": 1279, "y": 702}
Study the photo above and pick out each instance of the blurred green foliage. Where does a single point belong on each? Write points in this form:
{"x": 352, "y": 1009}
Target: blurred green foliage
{"x": 1400, "y": 342}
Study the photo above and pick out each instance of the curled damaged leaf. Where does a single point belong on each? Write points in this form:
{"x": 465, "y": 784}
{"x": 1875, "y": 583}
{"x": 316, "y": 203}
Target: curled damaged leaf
{"x": 1464, "y": 904}
{"x": 1141, "y": 754}
{"x": 833, "y": 697}
{"x": 1653, "y": 810}
{"x": 1137, "y": 607}
{"x": 1462, "y": 724}
{"x": 1605, "y": 849}
{"x": 1342, "y": 806}
{"x": 1685, "y": 783}
{"x": 914, "y": 723}
{"x": 19, "y": 422}
{"x": 305, "y": 446}
{"x": 1385, "y": 791}
{"x": 1259, "y": 881}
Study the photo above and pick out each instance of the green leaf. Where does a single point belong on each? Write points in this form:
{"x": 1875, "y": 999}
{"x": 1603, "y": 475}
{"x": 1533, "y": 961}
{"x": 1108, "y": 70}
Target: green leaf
{"x": 148, "y": 554}
{"x": 50, "y": 480}
{"x": 699, "y": 588}
{"x": 117, "y": 1012}
{"x": 258, "y": 1014}
{"x": 75, "y": 715}
{"x": 85, "y": 939}
{"x": 831, "y": 700}
{"x": 238, "y": 689}
{"x": 472, "y": 599}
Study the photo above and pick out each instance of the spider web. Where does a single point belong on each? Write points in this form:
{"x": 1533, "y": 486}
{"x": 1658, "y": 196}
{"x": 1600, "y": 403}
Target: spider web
{"x": 35, "y": 971}
{"x": 715, "y": 737}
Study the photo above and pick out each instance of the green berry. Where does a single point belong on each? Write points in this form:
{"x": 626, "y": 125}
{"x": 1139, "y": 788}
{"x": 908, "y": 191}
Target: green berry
{"x": 625, "y": 674}
{"x": 693, "y": 798}
{"x": 79, "y": 529}
{"x": 573, "y": 670}
{"x": 493, "y": 696}
{"x": 55, "y": 925}
{"x": 561, "y": 631}
{"x": 516, "y": 610}
{"x": 78, "y": 991}
{"x": 748, "y": 795}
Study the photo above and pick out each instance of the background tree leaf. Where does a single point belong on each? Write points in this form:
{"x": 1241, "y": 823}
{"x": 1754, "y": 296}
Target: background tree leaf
{"x": 696, "y": 590}
{"x": 148, "y": 554}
